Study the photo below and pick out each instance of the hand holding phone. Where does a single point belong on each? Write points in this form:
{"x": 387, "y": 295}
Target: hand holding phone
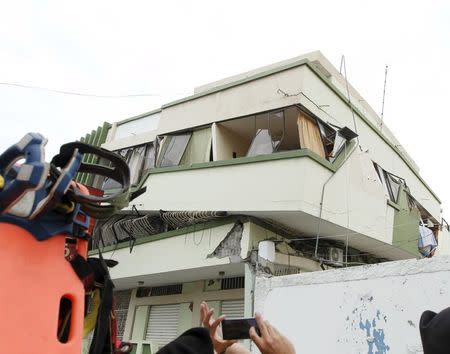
{"x": 238, "y": 328}
{"x": 270, "y": 340}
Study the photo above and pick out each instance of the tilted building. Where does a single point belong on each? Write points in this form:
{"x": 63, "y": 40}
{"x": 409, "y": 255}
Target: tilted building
{"x": 278, "y": 170}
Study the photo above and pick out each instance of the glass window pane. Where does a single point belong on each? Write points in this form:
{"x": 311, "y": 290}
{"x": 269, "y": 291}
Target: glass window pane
{"x": 277, "y": 129}
{"x": 339, "y": 142}
{"x": 394, "y": 184}
{"x": 261, "y": 144}
{"x": 149, "y": 160}
{"x": 109, "y": 184}
{"x": 199, "y": 148}
{"x": 135, "y": 163}
{"x": 173, "y": 149}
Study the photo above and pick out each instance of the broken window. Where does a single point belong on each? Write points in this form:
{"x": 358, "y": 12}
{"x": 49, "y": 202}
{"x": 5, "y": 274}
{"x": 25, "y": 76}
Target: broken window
{"x": 277, "y": 127}
{"x": 280, "y": 130}
{"x": 138, "y": 158}
{"x": 172, "y": 149}
{"x": 262, "y": 144}
{"x": 269, "y": 133}
{"x": 336, "y": 140}
{"x": 199, "y": 147}
{"x": 339, "y": 143}
{"x": 391, "y": 183}
{"x": 135, "y": 163}
{"x": 394, "y": 185}
{"x": 150, "y": 157}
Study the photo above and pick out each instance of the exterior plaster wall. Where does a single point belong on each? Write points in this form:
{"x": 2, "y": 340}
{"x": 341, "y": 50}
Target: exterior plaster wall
{"x": 140, "y": 138}
{"x": 246, "y": 99}
{"x": 184, "y": 252}
{"x": 355, "y": 198}
{"x": 444, "y": 243}
{"x": 241, "y": 100}
{"x": 291, "y": 184}
{"x": 373, "y": 309}
{"x": 369, "y": 140}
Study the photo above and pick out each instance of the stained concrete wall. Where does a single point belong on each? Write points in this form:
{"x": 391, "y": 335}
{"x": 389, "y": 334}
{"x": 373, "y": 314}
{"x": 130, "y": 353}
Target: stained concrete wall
{"x": 368, "y": 309}
{"x": 290, "y": 184}
{"x": 354, "y": 198}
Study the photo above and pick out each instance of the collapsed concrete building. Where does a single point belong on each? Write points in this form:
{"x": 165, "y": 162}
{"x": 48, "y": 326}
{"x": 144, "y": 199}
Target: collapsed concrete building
{"x": 280, "y": 170}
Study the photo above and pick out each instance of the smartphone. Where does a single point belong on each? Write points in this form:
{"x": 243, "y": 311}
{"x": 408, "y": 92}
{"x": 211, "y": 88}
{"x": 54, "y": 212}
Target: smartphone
{"x": 238, "y": 328}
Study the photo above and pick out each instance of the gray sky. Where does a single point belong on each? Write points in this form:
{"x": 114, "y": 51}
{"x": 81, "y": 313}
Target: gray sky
{"x": 166, "y": 48}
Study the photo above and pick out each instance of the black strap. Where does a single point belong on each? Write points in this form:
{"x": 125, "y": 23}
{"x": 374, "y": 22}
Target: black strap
{"x": 101, "y": 342}
{"x": 90, "y": 270}
{"x": 119, "y": 172}
{"x": 80, "y": 266}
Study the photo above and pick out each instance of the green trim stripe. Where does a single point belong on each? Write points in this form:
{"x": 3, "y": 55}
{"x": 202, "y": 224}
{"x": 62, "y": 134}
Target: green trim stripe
{"x": 242, "y": 161}
{"x": 97, "y": 138}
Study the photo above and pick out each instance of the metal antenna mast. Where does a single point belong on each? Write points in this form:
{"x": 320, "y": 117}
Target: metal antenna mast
{"x": 384, "y": 95}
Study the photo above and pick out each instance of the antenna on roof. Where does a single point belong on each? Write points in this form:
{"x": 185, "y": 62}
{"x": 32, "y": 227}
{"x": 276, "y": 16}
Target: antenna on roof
{"x": 384, "y": 94}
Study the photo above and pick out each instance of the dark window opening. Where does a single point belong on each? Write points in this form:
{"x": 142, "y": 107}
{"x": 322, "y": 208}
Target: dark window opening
{"x": 232, "y": 283}
{"x": 139, "y": 159}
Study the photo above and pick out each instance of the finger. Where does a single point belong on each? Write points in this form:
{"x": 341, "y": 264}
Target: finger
{"x": 255, "y": 338}
{"x": 275, "y": 331}
{"x": 202, "y": 311}
{"x": 207, "y": 320}
{"x": 269, "y": 328}
{"x": 216, "y": 323}
{"x": 230, "y": 342}
{"x": 261, "y": 325}
{"x": 205, "y": 305}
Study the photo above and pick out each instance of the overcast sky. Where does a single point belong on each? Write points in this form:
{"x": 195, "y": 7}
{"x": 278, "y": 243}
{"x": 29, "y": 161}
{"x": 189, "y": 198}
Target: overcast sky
{"x": 166, "y": 48}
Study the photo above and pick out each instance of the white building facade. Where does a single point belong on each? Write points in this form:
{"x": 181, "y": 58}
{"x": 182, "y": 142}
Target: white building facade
{"x": 279, "y": 154}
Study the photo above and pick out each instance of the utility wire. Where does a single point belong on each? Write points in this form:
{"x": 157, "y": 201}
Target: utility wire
{"x": 82, "y": 94}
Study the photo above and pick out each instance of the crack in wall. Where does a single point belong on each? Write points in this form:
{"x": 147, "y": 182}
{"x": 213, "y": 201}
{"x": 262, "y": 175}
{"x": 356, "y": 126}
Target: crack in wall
{"x": 230, "y": 246}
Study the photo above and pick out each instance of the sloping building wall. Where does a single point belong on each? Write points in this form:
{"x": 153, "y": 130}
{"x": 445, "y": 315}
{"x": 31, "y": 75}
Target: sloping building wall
{"x": 368, "y": 309}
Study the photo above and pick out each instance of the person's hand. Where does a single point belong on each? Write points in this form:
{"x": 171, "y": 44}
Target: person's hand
{"x": 215, "y": 330}
{"x": 270, "y": 341}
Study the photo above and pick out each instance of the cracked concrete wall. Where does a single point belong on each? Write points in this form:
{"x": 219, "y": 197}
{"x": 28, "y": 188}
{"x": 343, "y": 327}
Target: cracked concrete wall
{"x": 230, "y": 246}
{"x": 368, "y": 309}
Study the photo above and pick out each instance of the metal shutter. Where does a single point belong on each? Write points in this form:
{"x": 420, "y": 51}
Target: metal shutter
{"x": 233, "y": 308}
{"x": 163, "y": 323}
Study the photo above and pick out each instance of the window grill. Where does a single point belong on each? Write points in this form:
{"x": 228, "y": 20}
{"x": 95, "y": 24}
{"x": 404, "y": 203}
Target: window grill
{"x": 122, "y": 303}
{"x": 160, "y": 290}
{"x": 232, "y": 283}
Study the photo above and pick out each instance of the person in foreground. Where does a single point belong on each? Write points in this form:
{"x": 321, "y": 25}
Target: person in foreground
{"x": 270, "y": 340}
{"x": 209, "y": 340}
{"x": 435, "y": 332}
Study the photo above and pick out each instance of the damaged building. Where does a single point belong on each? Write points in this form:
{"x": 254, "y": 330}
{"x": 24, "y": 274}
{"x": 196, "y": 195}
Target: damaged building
{"x": 280, "y": 170}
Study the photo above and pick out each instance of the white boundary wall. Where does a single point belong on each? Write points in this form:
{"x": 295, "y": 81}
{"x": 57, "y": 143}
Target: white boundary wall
{"x": 368, "y": 309}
